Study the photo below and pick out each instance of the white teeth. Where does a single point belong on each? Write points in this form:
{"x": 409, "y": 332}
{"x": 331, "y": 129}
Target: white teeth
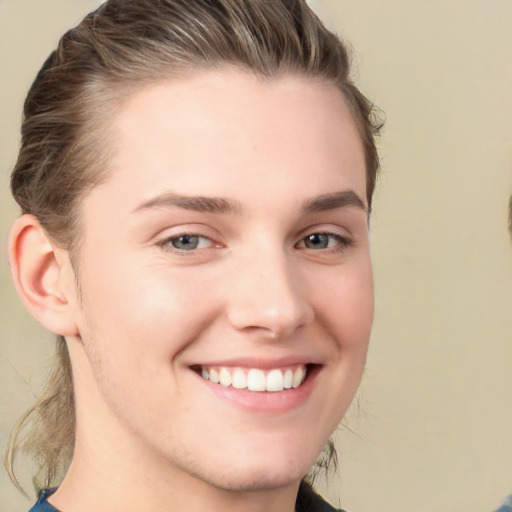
{"x": 214, "y": 376}
{"x": 275, "y": 380}
{"x": 255, "y": 379}
{"x": 239, "y": 380}
{"x": 288, "y": 379}
{"x": 224, "y": 377}
{"x": 298, "y": 376}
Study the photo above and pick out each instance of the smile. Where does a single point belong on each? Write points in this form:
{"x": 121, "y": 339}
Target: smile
{"x": 256, "y": 379}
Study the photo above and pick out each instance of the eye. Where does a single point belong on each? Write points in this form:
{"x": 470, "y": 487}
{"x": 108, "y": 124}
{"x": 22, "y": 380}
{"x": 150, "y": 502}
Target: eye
{"x": 319, "y": 241}
{"x": 188, "y": 242}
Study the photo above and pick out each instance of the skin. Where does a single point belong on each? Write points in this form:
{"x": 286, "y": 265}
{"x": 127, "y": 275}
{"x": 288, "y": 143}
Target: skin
{"x": 256, "y": 292}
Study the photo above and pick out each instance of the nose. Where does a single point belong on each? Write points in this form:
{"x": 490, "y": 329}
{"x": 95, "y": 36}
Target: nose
{"x": 267, "y": 296}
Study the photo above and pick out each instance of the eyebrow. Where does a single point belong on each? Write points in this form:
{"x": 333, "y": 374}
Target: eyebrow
{"x": 333, "y": 201}
{"x": 325, "y": 202}
{"x": 195, "y": 203}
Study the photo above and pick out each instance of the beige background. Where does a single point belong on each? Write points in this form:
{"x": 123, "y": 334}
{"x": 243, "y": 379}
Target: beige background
{"x": 432, "y": 428}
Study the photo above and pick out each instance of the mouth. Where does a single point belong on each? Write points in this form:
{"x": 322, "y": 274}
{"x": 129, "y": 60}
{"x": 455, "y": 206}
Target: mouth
{"x": 256, "y": 379}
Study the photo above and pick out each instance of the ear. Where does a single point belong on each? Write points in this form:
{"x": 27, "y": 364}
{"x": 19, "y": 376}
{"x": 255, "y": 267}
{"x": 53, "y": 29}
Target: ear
{"x": 43, "y": 276}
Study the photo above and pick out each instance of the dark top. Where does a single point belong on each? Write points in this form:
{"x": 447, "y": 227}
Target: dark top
{"x": 507, "y": 505}
{"x": 42, "y": 505}
{"x": 307, "y": 501}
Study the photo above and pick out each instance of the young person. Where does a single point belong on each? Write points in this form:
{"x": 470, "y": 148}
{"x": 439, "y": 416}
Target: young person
{"x": 195, "y": 178}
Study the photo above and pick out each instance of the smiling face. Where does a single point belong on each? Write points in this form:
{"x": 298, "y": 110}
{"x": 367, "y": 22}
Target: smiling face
{"x": 226, "y": 285}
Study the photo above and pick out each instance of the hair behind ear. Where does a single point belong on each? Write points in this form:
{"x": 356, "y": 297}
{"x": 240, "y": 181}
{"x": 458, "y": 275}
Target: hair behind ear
{"x": 44, "y": 279}
{"x": 46, "y": 432}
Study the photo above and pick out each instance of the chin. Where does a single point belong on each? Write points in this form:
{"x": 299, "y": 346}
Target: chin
{"x": 246, "y": 475}
{"x": 257, "y": 480}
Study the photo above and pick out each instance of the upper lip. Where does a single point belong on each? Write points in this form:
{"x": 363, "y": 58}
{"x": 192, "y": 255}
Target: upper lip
{"x": 262, "y": 363}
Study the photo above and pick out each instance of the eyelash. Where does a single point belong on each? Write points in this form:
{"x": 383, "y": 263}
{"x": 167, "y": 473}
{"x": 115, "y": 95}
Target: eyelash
{"x": 341, "y": 242}
{"x": 167, "y": 244}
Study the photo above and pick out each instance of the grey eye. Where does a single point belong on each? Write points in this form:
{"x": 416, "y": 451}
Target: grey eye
{"x": 317, "y": 241}
{"x": 186, "y": 242}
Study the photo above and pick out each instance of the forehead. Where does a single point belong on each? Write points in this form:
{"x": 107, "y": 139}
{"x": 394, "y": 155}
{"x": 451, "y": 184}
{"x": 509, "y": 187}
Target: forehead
{"x": 225, "y": 131}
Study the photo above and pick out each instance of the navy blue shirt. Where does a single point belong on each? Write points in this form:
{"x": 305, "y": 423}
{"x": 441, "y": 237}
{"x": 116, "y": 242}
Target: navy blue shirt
{"x": 307, "y": 501}
{"x": 507, "y": 505}
{"x": 42, "y": 505}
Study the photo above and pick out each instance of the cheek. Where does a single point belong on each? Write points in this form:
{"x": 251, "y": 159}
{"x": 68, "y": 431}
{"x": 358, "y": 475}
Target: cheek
{"x": 156, "y": 311}
{"x": 346, "y": 306}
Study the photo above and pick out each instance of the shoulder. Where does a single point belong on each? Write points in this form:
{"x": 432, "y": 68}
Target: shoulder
{"x": 42, "y": 504}
{"x": 507, "y": 505}
{"x": 309, "y": 501}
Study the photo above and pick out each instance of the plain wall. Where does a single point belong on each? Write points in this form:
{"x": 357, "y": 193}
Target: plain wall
{"x": 431, "y": 429}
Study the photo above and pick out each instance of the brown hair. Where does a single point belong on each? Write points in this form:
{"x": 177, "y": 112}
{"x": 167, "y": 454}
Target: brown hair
{"x": 115, "y": 50}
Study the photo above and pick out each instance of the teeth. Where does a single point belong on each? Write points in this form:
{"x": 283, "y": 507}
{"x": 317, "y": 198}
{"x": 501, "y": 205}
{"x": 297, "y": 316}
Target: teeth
{"x": 275, "y": 380}
{"x": 239, "y": 380}
{"x": 255, "y": 379}
{"x": 288, "y": 379}
{"x": 298, "y": 376}
{"x": 225, "y": 377}
{"x": 214, "y": 376}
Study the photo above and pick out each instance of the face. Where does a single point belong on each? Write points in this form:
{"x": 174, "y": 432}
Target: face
{"x": 226, "y": 286}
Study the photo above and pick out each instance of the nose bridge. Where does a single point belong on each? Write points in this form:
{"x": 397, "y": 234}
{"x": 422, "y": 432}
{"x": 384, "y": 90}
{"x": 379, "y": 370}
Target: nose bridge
{"x": 266, "y": 295}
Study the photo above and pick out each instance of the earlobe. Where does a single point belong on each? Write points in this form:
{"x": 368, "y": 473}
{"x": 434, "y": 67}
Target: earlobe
{"x": 43, "y": 276}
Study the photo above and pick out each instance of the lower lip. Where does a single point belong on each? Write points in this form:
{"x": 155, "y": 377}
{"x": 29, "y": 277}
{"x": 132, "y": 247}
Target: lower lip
{"x": 265, "y": 402}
